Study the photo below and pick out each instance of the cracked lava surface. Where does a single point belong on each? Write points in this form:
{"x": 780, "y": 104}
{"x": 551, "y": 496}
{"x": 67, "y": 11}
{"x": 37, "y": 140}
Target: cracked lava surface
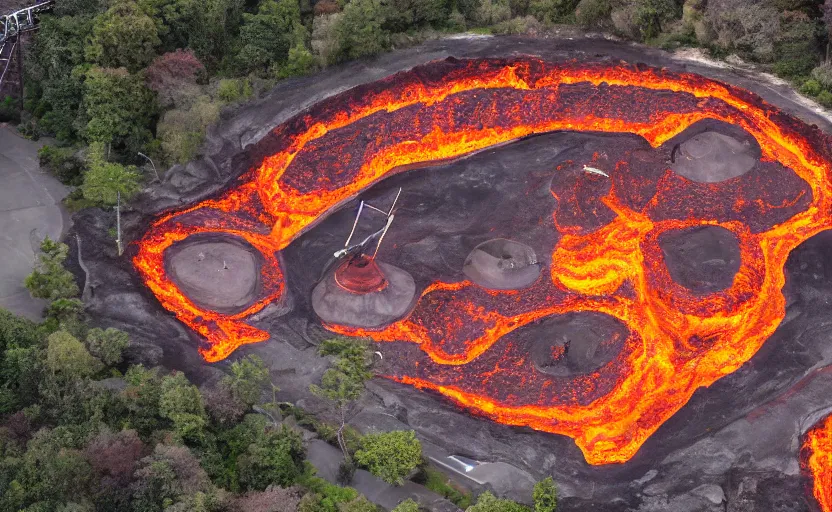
{"x": 607, "y": 259}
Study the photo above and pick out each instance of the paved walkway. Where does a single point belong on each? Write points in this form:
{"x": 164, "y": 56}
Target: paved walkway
{"x": 29, "y": 200}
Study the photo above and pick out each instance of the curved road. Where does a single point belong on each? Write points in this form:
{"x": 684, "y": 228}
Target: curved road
{"x": 30, "y": 199}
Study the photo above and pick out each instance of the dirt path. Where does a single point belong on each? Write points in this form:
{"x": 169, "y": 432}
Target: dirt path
{"x": 29, "y": 210}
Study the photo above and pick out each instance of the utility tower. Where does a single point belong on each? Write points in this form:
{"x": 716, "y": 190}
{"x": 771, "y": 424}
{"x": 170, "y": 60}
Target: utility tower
{"x": 13, "y": 26}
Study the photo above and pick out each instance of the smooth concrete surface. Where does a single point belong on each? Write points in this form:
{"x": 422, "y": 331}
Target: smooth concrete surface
{"x": 30, "y": 209}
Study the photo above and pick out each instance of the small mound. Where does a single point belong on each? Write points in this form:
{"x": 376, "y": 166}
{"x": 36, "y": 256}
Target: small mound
{"x": 219, "y": 275}
{"x": 502, "y": 264}
{"x": 576, "y": 344}
{"x": 711, "y": 157}
{"x": 347, "y": 297}
{"x": 703, "y": 259}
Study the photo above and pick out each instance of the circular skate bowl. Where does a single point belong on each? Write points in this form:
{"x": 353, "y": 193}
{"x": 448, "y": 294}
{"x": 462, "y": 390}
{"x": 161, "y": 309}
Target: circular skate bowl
{"x": 703, "y": 259}
{"x": 459, "y": 329}
{"x": 502, "y": 264}
{"x": 712, "y": 156}
{"x": 355, "y": 297}
{"x": 220, "y": 273}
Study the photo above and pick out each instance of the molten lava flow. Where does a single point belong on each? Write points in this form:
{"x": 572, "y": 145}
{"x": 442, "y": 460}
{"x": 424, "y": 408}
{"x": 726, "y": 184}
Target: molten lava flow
{"x": 818, "y": 461}
{"x": 678, "y": 341}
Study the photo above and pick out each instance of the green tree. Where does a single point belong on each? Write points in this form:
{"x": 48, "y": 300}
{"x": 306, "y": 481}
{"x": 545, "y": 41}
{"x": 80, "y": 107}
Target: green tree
{"x": 54, "y": 92}
{"x": 545, "y": 495}
{"x": 407, "y": 505}
{"x": 68, "y": 359}
{"x": 213, "y": 26}
{"x": 49, "y": 279}
{"x": 181, "y": 402}
{"x": 360, "y": 30}
{"x": 107, "y": 344}
{"x": 487, "y": 502}
{"x": 343, "y": 384}
{"x": 267, "y": 36}
{"x": 276, "y": 458}
{"x": 247, "y": 378}
{"x": 119, "y": 109}
{"x": 390, "y": 456}
{"x": 123, "y": 36}
{"x": 552, "y": 11}
{"x": 104, "y": 181}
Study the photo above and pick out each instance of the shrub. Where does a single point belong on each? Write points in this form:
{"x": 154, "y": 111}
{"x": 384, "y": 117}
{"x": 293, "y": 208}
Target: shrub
{"x": 390, "y": 456}
{"x": 552, "y": 11}
{"x": 825, "y": 98}
{"x": 407, "y": 505}
{"x": 593, "y": 13}
{"x": 49, "y": 279}
{"x": 326, "y": 7}
{"x": 524, "y": 25}
{"x": 491, "y": 12}
{"x": 811, "y": 87}
{"x": 107, "y": 344}
{"x": 545, "y": 496}
{"x": 234, "y": 89}
{"x": 749, "y": 30}
{"x": 123, "y": 37}
{"x": 9, "y": 110}
{"x": 104, "y": 181}
{"x": 487, "y": 502}
{"x": 822, "y": 75}
{"x": 359, "y": 32}
{"x": 62, "y": 163}
{"x": 651, "y": 16}
{"x": 796, "y": 46}
{"x": 172, "y": 75}
{"x": 275, "y": 458}
{"x": 182, "y": 130}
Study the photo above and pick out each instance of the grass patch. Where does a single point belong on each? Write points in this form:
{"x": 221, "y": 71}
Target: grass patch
{"x": 439, "y": 483}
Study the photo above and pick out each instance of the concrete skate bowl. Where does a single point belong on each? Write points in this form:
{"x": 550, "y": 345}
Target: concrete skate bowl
{"x": 662, "y": 233}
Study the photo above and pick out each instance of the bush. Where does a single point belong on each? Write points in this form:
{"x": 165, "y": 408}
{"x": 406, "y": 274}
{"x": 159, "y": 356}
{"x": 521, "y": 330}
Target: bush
{"x": 49, "y": 279}
{"x": 104, "y": 181}
{"x": 182, "y": 130}
{"x": 593, "y": 13}
{"x": 552, "y": 11}
{"x": 493, "y": 11}
{"x": 796, "y": 46}
{"x": 9, "y": 110}
{"x": 524, "y": 25}
{"x": 825, "y": 98}
{"x": 172, "y": 76}
{"x": 62, "y": 163}
{"x": 407, "y": 505}
{"x": 234, "y": 89}
{"x": 359, "y": 31}
{"x": 123, "y": 37}
{"x": 390, "y": 456}
{"x": 651, "y": 17}
{"x": 811, "y": 87}
{"x": 750, "y": 30}
{"x": 487, "y": 502}
{"x": 822, "y": 75}
{"x": 545, "y": 496}
{"x": 275, "y": 458}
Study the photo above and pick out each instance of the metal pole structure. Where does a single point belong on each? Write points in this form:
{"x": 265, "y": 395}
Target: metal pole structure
{"x": 118, "y": 223}
{"x": 152, "y": 165}
{"x": 20, "y": 67}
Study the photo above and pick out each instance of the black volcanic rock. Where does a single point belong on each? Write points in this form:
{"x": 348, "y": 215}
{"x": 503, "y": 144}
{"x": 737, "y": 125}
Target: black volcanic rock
{"x": 703, "y": 259}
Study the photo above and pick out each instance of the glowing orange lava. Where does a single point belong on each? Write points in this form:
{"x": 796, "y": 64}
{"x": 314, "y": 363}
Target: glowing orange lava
{"x": 678, "y": 341}
{"x": 818, "y": 460}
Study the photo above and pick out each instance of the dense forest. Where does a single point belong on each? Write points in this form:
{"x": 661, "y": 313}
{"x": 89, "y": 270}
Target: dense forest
{"x": 82, "y": 430}
{"x": 110, "y": 79}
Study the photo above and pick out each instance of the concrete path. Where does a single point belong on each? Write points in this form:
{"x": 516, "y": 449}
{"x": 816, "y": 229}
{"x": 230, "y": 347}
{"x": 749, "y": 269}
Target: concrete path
{"x": 326, "y": 459}
{"x": 29, "y": 210}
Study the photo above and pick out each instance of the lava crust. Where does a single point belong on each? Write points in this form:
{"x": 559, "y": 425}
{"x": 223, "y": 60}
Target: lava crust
{"x": 606, "y": 234}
